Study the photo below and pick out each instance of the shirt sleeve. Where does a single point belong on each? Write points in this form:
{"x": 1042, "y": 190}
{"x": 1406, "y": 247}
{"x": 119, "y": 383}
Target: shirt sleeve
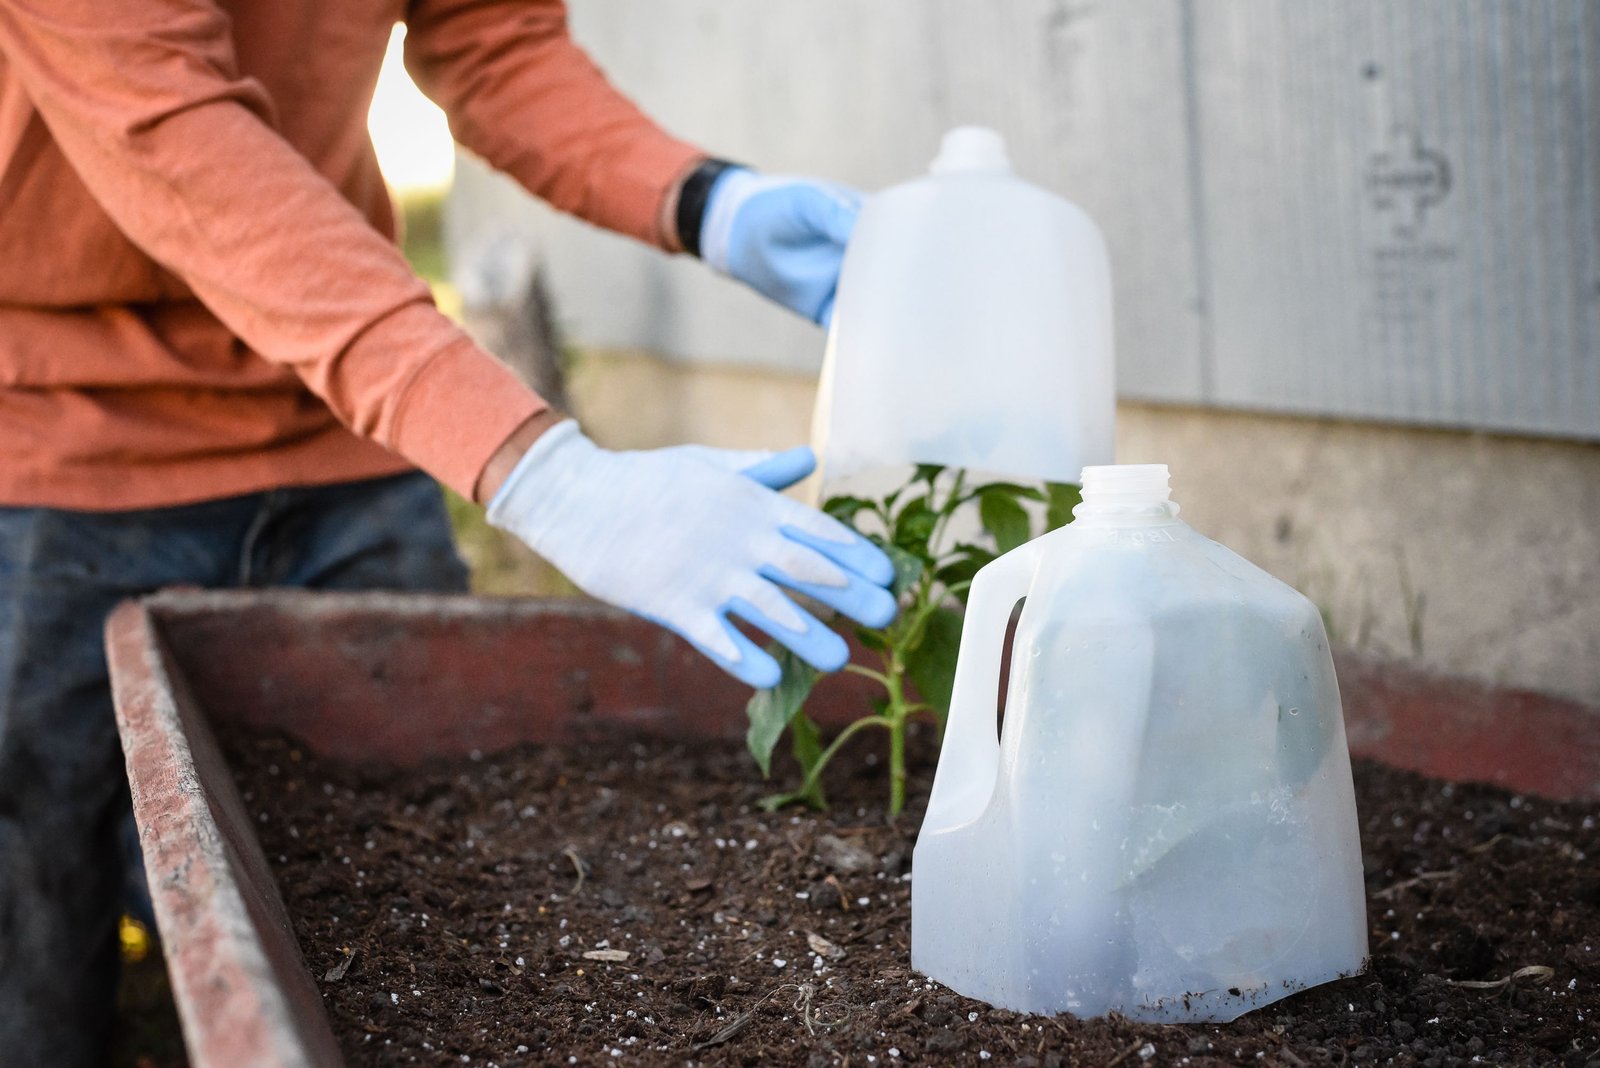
{"x": 521, "y": 94}
{"x": 145, "y": 99}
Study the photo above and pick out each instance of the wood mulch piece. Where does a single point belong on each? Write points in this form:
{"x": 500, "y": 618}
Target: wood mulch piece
{"x": 626, "y": 902}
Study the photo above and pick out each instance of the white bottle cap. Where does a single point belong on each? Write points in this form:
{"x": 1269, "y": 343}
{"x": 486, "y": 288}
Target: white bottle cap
{"x": 1121, "y": 482}
{"x": 972, "y": 150}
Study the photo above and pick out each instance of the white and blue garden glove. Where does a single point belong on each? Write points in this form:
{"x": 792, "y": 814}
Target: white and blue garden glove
{"x": 782, "y": 236}
{"x": 691, "y": 536}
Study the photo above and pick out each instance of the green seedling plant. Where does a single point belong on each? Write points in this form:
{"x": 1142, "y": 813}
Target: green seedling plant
{"x": 916, "y": 653}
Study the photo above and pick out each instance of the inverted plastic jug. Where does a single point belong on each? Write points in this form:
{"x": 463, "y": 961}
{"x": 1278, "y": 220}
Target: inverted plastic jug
{"x": 972, "y": 328}
{"x": 1166, "y": 827}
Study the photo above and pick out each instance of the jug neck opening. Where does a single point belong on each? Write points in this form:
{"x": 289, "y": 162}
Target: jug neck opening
{"x": 972, "y": 150}
{"x": 1126, "y": 491}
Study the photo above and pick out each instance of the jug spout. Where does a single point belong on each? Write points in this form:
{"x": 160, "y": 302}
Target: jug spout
{"x": 1125, "y": 491}
{"x": 971, "y": 150}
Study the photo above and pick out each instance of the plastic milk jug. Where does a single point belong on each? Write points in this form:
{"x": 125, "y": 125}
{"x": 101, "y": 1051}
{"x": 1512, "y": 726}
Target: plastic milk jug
{"x": 1166, "y": 825}
{"x": 972, "y": 328}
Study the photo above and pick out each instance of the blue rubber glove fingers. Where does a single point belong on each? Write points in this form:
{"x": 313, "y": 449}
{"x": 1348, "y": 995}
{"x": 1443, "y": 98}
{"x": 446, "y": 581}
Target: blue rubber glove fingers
{"x": 843, "y": 546}
{"x": 784, "y": 469}
{"x": 806, "y": 636}
{"x": 768, "y": 608}
{"x": 819, "y": 556}
{"x": 851, "y": 583}
{"x": 774, "y": 470}
{"x": 784, "y": 237}
{"x": 750, "y": 664}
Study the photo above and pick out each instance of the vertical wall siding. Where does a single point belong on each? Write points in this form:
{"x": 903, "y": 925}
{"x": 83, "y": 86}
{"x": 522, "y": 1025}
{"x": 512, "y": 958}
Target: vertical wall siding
{"x": 1380, "y": 209}
{"x": 1401, "y": 211}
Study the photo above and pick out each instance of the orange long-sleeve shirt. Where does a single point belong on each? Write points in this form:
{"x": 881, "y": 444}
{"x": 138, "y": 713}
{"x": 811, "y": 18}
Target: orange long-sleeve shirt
{"x": 200, "y": 294}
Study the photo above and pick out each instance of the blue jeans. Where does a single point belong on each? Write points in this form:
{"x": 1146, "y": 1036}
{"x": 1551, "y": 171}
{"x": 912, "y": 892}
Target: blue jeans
{"x": 63, "y": 788}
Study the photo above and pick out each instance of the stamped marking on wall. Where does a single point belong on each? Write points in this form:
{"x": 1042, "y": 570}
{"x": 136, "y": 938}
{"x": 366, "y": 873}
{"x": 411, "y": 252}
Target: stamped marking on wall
{"x": 1405, "y": 182}
{"x": 1406, "y": 178}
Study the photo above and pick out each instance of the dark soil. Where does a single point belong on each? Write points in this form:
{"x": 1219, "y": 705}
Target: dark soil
{"x": 624, "y": 902}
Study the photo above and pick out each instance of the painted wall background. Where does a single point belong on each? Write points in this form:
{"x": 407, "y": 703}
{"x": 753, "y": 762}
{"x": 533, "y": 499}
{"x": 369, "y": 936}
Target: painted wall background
{"x": 1356, "y": 250}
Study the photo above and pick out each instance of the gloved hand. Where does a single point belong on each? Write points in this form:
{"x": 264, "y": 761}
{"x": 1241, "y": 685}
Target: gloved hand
{"x": 691, "y": 535}
{"x": 783, "y": 237}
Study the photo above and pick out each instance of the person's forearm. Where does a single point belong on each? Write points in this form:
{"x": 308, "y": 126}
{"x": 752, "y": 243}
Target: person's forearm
{"x": 525, "y": 97}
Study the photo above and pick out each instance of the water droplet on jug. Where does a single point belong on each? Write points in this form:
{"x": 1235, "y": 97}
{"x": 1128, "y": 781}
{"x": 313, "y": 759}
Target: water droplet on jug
{"x": 1294, "y": 711}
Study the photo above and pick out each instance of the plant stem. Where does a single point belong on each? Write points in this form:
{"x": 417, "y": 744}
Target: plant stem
{"x": 897, "y": 768}
{"x": 876, "y": 676}
{"x": 896, "y": 715}
{"x": 815, "y": 773}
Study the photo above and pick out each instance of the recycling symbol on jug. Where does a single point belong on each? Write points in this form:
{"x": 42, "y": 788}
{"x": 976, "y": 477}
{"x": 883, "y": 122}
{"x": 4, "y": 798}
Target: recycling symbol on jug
{"x": 1407, "y": 178}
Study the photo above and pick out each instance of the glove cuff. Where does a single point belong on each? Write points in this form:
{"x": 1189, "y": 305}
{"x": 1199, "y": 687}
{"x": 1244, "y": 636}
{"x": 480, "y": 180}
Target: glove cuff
{"x": 693, "y": 197}
{"x": 534, "y": 476}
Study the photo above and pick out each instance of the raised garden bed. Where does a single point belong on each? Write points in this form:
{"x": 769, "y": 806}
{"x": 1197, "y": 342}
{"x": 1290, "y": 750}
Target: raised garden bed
{"x": 308, "y": 684}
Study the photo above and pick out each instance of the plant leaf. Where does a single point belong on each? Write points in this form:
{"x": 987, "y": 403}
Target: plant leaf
{"x": 1004, "y": 518}
{"x": 1062, "y": 498}
{"x": 1013, "y": 490}
{"x": 964, "y": 566}
{"x": 773, "y": 802}
{"x": 928, "y": 473}
{"x": 771, "y": 710}
{"x": 807, "y": 741}
{"x": 844, "y": 508}
{"x": 871, "y": 638}
{"x": 932, "y": 664}
{"x": 914, "y": 525}
{"x": 908, "y": 568}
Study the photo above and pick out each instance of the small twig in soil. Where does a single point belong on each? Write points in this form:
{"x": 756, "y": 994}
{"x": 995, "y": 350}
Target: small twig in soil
{"x": 908, "y": 1009}
{"x": 413, "y": 829}
{"x": 571, "y": 853}
{"x": 741, "y": 1021}
{"x": 844, "y": 899}
{"x": 1532, "y": 975}
{"x": 1406, "y": 884}
{"x": 1125, "y": 1054}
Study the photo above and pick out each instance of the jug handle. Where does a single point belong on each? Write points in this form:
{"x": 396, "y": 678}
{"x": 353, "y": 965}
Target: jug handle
{"x": 969, "y": 760}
